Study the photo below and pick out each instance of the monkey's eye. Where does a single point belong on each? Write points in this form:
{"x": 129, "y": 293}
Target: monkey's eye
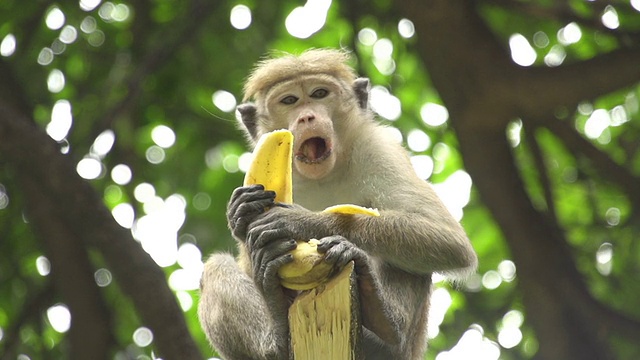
{"x": 288, "y": 100}
{"x": 320, "y": 93}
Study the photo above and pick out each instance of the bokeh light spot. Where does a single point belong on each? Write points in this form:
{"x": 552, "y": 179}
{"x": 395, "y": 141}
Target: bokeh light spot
{"x": 201, "y": 201}
{"x": 4, "y": 197}
{"x": 155, "y": 154}
{"x": 143, "y": 337}
{"x": 367, "y": 36}
{"x": 406, "y": 29}
{"x": 59, "y": 317}
{"x": 96, "y": 38}
{"x": 8, "y": 45}
{"x": 61, "y": 120}
{"x": 418, "y": 140}
{"x": 306, "y": 20}
{"x": 103, "y": 143}
{"x": 472, "y": 345}
{"x": 55, "y": 81}
{"x": 163, "y": 136}
{"x": 455, "y": 192}
{"x": 521, "y": 51}
{"x": 244, "y": 161}
{"x": 45, "y": 57}
{"x": 185, "y": 300}
{"x": 555, "y": 56}
{"x": 240, "y": 17}
{"x": 514, "y": 130}
{"x": 230, "y": 163}
{"x": 55, "y": 18}
{"x": 569, "y": 34}
{"x": 422, "y": 165}
{"x": 540, "y": 39}
{"x": 598, "y": 122}
{"x": 103, "y": 277}
{"x": 612, "y": 216}
{"x": 88, "y": 5}
{"x": 121, "y": 174}
{"x": 491, "y": 280}
{"x": 144, "y": 192}
{"x": 68, "y": 35}
{"x": 610, "y": 17}
{"x": 385, "y": 104}
{"x": 440, "y": 303}
{"x": 89, "y": 168}
{"x": 124, "y": 215}
{"x": 224, "y": 100}
{"x": 158, "y": 230}
{"x": 507, "y": 270}
{"x": 43, "y": 266}
{"x": 434, "y": 114}
{"x": 88, "y": 25}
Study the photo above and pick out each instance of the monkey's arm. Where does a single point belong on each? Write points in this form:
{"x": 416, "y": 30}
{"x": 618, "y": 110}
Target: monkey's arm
{"x": 422, "y": 238}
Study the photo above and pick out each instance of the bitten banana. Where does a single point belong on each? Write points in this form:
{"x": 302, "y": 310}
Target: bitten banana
{"x": 272, "y": 168}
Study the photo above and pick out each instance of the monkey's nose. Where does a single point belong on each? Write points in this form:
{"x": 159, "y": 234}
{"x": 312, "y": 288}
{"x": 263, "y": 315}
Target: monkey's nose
{"x": 306, "y": 118}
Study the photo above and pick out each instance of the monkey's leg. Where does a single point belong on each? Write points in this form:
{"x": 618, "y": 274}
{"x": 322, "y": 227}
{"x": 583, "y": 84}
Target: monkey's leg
{"x": 234, "y": 315}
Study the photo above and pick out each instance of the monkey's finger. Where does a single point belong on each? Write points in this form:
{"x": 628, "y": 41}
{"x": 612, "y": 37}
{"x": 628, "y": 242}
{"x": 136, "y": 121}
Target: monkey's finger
{"x": 248, "y": 194}
{"x": 259, "y": 238}
{"x": 245, "y": 189}
{"x": 271, "y": 279}
{"x": 262, "y": 255}
{"x": 245, "y": 213}
{"x": 253, "y": 208}
{"x": 328, "y": 242}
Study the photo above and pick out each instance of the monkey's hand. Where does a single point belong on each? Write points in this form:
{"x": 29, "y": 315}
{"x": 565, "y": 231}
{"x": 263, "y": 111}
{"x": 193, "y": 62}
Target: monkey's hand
{"x": 339, "y": 251}
{"x": 269, "y": 250}
{"x": 247, "y": 202}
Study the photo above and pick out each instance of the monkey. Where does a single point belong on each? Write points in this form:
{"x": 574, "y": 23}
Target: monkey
{"x": 342, "y": 154}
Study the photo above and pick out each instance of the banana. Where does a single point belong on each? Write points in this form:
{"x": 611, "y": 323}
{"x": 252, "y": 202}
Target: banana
{"x": 272, "y": 167}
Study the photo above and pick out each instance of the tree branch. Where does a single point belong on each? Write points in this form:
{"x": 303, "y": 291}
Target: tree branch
{"x": 606, "y": 167}
{"x": 90, "y": 333}
{"x": 483, "y": 91}
{"x": 34, "y": 155}
{"x": 543, "y": 174}
{"x": 565, "y": 86}
{"x": 165, "y": 45}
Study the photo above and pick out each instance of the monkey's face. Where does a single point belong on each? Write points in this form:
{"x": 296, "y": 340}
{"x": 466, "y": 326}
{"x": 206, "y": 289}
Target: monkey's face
{"x": 308, "y": 107}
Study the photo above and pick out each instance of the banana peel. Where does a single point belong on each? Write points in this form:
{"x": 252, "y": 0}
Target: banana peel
{"x": 272, "y": 168}
{"x": 271, "y": 165}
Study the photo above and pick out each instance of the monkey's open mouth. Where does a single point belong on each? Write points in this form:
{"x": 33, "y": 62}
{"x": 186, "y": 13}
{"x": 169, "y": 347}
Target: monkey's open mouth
{"x": 313, "y": 150}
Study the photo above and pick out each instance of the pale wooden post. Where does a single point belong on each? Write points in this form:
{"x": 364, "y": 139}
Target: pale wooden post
{"x": 325, "y": 322}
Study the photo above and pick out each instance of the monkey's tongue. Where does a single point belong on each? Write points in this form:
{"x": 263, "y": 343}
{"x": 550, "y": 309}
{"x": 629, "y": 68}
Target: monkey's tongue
{"x": 313, "y": 150}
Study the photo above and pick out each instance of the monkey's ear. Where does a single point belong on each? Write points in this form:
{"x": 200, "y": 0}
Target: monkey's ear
{"x": 361, "y": 87}
{"x": 249, "y": 117}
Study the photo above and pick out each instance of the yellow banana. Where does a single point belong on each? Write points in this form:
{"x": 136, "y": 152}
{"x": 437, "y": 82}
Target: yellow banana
{"x": 271, "y": 167}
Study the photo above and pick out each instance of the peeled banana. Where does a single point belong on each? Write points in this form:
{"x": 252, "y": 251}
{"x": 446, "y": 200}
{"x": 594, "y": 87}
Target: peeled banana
{"x": 272, "y": 167}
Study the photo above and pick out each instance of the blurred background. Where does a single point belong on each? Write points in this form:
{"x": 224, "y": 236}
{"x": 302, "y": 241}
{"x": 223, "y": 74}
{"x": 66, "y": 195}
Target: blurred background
{"x": 119, "y": 150}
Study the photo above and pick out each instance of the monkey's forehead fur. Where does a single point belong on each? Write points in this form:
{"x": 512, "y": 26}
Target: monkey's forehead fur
{"x": 316, "y": 61}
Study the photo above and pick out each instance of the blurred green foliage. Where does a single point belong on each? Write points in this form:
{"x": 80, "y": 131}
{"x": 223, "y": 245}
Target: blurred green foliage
{"x": 160, "y": 64}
